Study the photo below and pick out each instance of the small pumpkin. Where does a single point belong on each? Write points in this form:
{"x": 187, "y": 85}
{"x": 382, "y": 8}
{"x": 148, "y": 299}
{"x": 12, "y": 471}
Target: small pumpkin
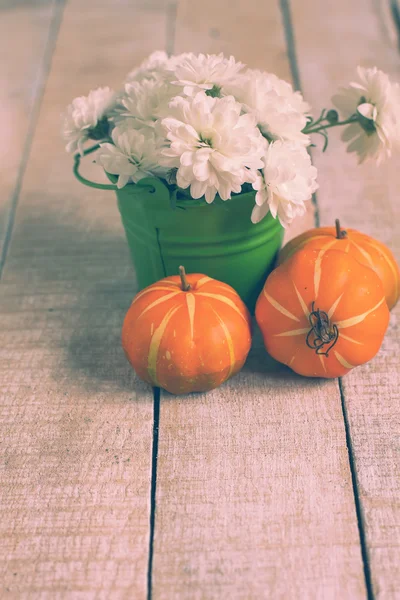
{"x": 363, "y": 248}
{"x": 187, "y": 333}
{"x": 322, "y": 313}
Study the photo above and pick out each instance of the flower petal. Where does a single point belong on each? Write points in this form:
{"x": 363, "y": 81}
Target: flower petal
{"x": 259, "y": 212}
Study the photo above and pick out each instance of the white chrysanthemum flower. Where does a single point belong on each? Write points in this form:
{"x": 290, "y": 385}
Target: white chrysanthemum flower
{"x": 158, "y": 64}
{"x": 376, "y": 102}
{"x": 154, "y": 65}
{"x": 280, "y": 112}
{"x": 287, "y": 180}
{"x": 134, "y": 155}
{"x": 146, "y": 101}
{"x": 204, "y": 72}
{"x": 176, "y": 59}
{"x": 84, "y": 116}
{"x": 213, "y": 146}
{"x": 285, "y": 90}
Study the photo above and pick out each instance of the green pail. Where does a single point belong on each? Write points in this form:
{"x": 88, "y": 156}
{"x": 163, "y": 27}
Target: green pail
{"x": 217, "y": 239}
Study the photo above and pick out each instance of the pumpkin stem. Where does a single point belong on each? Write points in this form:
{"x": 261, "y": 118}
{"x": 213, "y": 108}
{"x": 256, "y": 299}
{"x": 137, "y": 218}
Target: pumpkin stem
{"x": 324, "y": 334}
{"x": 340, "y": 234}
{"x": 185, "y": 284}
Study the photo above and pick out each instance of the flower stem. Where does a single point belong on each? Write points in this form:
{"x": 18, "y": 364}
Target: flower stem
{"x": 185, "y": 284}
{"x": 311, "y": 129}
{"x": 321, "y": 118}
{"x": 90, "y": 149}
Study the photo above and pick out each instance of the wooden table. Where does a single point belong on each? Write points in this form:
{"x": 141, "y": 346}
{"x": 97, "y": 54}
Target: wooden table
{"x": 272, "y": 486}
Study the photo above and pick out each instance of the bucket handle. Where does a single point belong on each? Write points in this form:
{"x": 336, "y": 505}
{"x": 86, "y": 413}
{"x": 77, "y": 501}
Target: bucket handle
{"x": 92, "y": 184}
{"x": 103, "y": 186}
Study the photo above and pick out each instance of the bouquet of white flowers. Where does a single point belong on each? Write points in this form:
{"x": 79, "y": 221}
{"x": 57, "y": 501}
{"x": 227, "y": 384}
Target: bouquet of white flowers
{"x": 207, "y": 124}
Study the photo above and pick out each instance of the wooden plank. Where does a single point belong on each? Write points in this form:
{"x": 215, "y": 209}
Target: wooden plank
{"x": 22, "y": 78}
{"x": 254, "y": 496}
{"x": 366, "y": 198}
{"x": 76, "y": 425}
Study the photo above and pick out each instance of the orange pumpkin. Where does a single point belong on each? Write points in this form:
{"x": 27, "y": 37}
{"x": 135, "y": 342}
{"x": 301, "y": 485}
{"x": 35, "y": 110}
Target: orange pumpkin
{"x": 363, "y": 248}
{"x": 322, "y": 313}
{"x": 187, "y": 334}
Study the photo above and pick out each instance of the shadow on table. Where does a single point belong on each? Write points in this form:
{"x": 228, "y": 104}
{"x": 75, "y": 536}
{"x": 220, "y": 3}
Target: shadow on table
{"x": 77, "y": 272}
{"x": 260, "y": 363}
{"x": 94, "y": 348}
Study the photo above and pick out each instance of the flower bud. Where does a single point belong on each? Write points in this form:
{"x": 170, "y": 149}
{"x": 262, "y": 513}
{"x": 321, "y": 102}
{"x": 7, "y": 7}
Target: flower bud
{"x": 332, "y": 116}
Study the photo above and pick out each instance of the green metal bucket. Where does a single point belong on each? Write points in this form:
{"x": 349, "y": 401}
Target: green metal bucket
{"x": 216, "y": 239}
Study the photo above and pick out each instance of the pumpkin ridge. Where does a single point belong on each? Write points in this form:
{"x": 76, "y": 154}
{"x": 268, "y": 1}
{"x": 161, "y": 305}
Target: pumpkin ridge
{"x": 301, "y": 245}
{"x": 321, "y": 358}
{"x": 158, "y": 301}
{"x": 350, "y": 339}
{"x": 365, "y": 254}
{"x": 148, "y": 290}
{"x": 302, "y": 303}
{"x": 202, "y": 281}
{"x": 226, "y": 288}
{"x": 318, "y": 266}
{"x": 334, "y": 306}
{"x": 345, "y": 323}
{"x": 155, "y": 343}
{"x": 279, "y": 307}
{"x": 390, "y": 263}
{"x": 343, "y": 361}
{"x": 292, "y": 332}
{"x": 227, "y": 301}
{"x": 228, "y": 341}
{"x": 191, "y": 306}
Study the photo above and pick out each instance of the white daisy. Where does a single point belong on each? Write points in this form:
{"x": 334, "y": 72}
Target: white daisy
{"x": 280, "y": 112}
{"x": 86, "y": 118}
{"x": 176, "y": 59}
{"x": 376, "y": 103}
{"x": 214, "y": 148}
{"x": 287, "y": 180}
{"x": 134, "y": 154}
{"x": 154, "y": 65}
{"x": 202, "y": 72}
{"x": 146, "y": 100}
{"x": 285, "y": 90}
{"x": 158, "y": 64}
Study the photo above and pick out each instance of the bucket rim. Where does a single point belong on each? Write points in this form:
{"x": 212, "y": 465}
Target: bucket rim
{"x": 151, "y": 185}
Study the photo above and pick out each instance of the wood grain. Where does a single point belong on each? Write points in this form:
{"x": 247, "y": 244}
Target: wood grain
{"x": 366, "y": 198}
{"x": 254, "y": 495}
{"x": 76, "y": 425}
{"x": 22, "y": 74}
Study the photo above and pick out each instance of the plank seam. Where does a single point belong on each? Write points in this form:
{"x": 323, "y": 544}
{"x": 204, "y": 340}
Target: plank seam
{"x": 357, "y": 499}
{"x": 395, "y": 12}
{"x": 295, "y": 72}
{"x": 290, "y": 42}
{"x": 171, "y": 27}
{"x": 153, "y": 488}
{"x": 170, "y": 44}
{"x": 38, "y": 93}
